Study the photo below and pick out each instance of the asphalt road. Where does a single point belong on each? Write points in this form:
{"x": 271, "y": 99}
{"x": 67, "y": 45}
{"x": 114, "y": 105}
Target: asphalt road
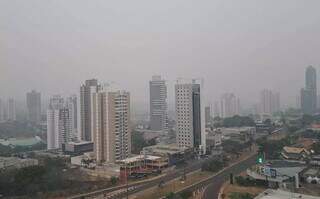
{"x": 217, "y": 181}
{"x": 192, "y": 165}
{"x": 214, "y": 183}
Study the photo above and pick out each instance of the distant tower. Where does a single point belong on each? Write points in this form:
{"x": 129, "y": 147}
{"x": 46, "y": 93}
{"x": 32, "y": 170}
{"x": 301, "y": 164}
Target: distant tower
{"x": 11, "y": 109}
{"x": 230, "y": 105}
{"x": 158, "y": 104}
{"x": 34, "y": 106}
{"x": 190, "y": 115}
{"x": 208, "y": 115}
{"x": 86, "y": 90}
{"x": 2, "y": 118}
{"x": 309, "y": 93}
{"x": 269, "y": 102}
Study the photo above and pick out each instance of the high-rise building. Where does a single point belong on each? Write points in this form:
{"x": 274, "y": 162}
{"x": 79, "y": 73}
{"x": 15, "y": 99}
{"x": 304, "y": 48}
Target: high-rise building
{"x": 111, "y": 125}
{"x": 309, "y": 93}
{"x": 2, "y": 118}
{"x": 158, "y": 104}
{"x": 230, "y": 105}
{"x": 208, "y": 115}
{"x": 86, "y": 90}
{"x": 72, "y": 104}
{"x": 190, "y": 117}
{"x": 306, "y": 101}
{"x": 34, "y": 106}
{"x": 59, "y": 123}
{"x": 11, "y": 109}
{"x": 269, "y": 102}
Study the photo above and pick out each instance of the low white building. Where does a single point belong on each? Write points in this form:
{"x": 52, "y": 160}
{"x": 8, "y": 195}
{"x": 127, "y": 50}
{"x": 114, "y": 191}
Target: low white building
{"x": 280, "y": 194}
{"x": 16, "y": 163}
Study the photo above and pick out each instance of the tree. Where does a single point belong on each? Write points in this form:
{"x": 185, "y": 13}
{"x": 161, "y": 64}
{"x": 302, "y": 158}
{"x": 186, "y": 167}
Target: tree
{"x": 114, "y": 180}
{"x": 307, "y": 120}
{"x": 238, "y": 121}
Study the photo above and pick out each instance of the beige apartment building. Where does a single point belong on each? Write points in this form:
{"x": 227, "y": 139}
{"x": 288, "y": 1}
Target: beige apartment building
{"x": 111, "y": 131}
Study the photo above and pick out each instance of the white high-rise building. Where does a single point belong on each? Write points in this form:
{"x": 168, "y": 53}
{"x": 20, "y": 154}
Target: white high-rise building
{"x": 269, "y": 102}
{"x": 158, "y": 104}
{"x": 111, "y": 131}
{"x": 59, "y": 123}
{"x": 190, "y": 115}
{"x": 230, "y": 105}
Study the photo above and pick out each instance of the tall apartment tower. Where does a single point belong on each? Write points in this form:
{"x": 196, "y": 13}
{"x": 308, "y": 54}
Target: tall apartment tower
{"x": 190, "y": 115}
{"x": 34, "y": 106}
{"x": 2, "y": 110}
{"x": 72, "y": 104}
{"x": 111, "y": 125}
{"x": 309, "y": 93}
{"x": 86, "y": 90}
{"x": 208, "y": 115}
{"x": 230, "y": 105}
{"x": 269, "y": 102}
{"x": 158, "y": 104}
{"x": 59, "y": 123}
{"x": 11, "y": 109}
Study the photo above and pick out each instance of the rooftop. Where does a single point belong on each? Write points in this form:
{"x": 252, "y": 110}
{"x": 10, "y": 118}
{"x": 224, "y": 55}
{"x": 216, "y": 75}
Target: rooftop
{"x": 297, "y": 150}
{"x": 139, "y": 158}
{"x": 280, "y": 194}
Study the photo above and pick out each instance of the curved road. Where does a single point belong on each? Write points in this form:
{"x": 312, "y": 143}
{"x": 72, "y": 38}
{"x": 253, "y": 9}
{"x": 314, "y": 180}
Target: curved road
{"x": 212, "y": 190}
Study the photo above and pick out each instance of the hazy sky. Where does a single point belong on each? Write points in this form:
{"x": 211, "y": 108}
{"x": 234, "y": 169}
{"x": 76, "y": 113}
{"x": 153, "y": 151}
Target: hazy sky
{"x": 238, "y": 46}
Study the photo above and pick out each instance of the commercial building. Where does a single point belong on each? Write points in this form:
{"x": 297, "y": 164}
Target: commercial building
{"x": 239, "y": 134}
{"x": 269, "y": 102}
{"x": 158, "y": 104}
{"x": 230, "y": 105}
{"x": 7, "y": 163}
{"x": 34, "y": 106}
{"x": 59, "y": 123}
{"x": 190, "y": 117}
{"x": 141, "y": 164}
{"x": 277, "y": 172}
{"x": 214, "y": 138}
{"x": 172, "y": 152}
{"x": 309, "y": 93}
{"x": 281, "y": 194}
{"x": 86, "y": 90}
{"x": 111, "y": 125}
{"x": 77, "y": 148}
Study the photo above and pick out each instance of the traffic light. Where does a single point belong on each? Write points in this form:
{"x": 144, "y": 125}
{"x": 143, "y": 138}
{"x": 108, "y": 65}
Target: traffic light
{"x": 260, "y": 158}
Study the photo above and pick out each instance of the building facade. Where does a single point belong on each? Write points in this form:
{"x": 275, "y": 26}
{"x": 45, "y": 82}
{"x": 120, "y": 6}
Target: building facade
{"x": 86, "y": 90}
{"x": 11, "y": 110}
{"x": 158, "y": 104}
{"x": 309, "y": 93}
{"x": 111, "y": 125}
{"x": 230, "y": 105}
{"x": 269, "y": 102}
{"x": 59, "y": 123}
{"x": 190, "y": 116}
{"x": 34, "y": 106}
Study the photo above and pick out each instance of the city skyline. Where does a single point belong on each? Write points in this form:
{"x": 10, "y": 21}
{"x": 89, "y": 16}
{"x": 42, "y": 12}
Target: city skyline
{"x": 168, "y": 44}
